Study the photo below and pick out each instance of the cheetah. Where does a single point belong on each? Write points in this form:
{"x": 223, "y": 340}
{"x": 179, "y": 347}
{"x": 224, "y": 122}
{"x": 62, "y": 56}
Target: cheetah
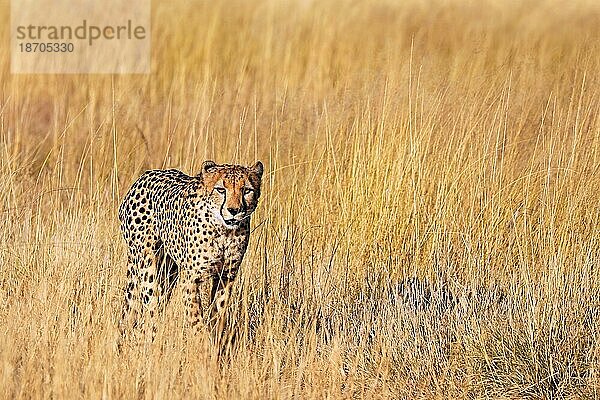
{"x": 193, "y": 229}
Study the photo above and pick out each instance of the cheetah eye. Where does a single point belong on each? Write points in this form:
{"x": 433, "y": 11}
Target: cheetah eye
{"x": 220, "y": 190}
{"x": 248, "y": 191}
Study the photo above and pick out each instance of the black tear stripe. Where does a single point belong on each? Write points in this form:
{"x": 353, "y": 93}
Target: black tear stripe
{"x": 224, "y": 201}
{"x": 223, "y": 204}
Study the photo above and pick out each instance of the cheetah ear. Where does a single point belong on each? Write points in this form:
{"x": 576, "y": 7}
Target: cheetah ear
{"x": 207, "y": 165}
{"x": 257, "y": 169}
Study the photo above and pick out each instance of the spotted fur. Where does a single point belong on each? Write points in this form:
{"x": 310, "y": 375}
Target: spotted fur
{"x": 189, "y": 228}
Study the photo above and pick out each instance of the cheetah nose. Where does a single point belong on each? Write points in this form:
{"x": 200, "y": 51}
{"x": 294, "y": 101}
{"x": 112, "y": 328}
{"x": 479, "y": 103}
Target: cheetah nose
{"x": 233, "y": 211}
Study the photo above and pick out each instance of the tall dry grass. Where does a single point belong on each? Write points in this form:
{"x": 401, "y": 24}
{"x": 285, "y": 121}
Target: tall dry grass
{"x": 453, "y": 141}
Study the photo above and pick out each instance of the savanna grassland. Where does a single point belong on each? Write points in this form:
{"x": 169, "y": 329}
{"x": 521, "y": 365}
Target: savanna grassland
{"x": 453, "y": 141}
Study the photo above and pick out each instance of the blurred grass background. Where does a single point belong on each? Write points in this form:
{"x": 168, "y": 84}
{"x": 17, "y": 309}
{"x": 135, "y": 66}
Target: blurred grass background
{"x": 456, "y": 141}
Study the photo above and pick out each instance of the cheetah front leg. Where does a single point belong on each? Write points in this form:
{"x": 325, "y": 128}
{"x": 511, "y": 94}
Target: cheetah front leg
{"x": 196, "y": 296}
{"x": 222, "y": 285}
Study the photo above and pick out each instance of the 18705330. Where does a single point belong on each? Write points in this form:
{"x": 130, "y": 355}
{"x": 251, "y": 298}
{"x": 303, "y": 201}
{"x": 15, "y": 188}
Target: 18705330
{"x": 41, "y": 47}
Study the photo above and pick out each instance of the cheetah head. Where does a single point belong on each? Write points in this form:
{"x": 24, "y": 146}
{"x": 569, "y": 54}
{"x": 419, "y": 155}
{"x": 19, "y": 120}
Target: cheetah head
{"x": 232, "y": 191}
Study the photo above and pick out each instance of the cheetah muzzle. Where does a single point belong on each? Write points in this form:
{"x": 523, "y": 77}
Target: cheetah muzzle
{"x": 193, "y": 229}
